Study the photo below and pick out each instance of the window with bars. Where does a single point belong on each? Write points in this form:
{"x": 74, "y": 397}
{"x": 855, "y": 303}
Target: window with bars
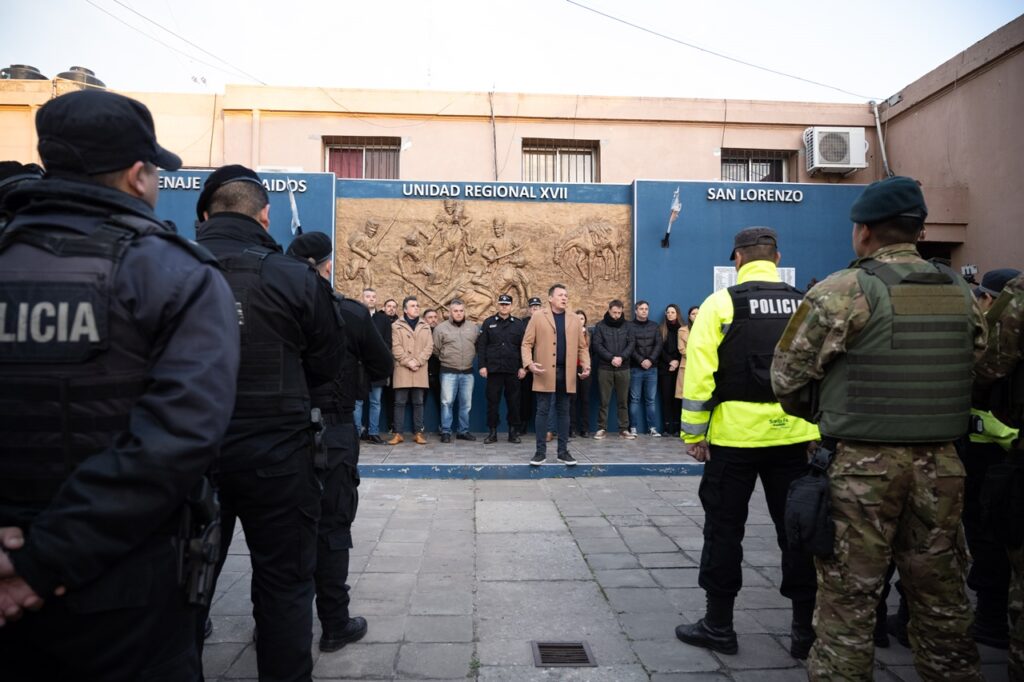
{"x": 756, "y": 165}
{"x": 547, "y": 160}
{"x": 373, "y": 158}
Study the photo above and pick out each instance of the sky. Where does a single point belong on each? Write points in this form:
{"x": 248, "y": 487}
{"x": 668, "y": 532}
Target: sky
{"x": 853, "y": 52}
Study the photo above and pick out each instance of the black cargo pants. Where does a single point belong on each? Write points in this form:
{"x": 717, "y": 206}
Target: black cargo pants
{"x": 725, "y": 490}
{"x": 279, "y": 507}
{"x": 337, "y": 513}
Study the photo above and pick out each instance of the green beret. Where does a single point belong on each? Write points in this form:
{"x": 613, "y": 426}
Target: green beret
{"x": 889, "y": 198}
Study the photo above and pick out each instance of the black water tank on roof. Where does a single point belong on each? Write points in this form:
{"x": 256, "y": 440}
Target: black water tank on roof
{"x": 22, "y": 72}
{"x": 81, "y": 74}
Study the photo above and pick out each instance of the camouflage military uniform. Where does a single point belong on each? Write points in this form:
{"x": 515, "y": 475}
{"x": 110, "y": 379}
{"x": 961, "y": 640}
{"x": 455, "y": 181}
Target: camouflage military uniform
{"x": 889, "y": 501}
{"x": 1001, "y": 358}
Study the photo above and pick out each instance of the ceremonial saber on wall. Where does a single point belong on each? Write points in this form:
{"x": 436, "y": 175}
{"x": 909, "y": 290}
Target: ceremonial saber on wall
{"x": 676, "y": 208}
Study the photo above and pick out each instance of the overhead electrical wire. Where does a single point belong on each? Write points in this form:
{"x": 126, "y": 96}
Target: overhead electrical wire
{"x": 720, "y": 55}
{"x": 189, "y": 42}
{"x": 157, "y": 40}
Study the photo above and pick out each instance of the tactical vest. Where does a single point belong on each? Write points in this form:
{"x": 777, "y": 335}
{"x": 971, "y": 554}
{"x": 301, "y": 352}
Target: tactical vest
{"x": 72, "y": 360}
{"x": 906, "y": 377}
{"x": 761, "y": 311}
{"x": 271, "y": 379}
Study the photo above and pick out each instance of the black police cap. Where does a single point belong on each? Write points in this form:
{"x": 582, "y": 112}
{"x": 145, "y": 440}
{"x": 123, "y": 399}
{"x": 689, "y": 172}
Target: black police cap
{"x": 220, "y": 177}
{"x": 890, "y": 198}
{"x": 534, "y": 301}
{"x": 315, "y": 245}
{"x": 752, "y": 236}
{"x": 88, "y": 132}
{"x": 504, "y": 298}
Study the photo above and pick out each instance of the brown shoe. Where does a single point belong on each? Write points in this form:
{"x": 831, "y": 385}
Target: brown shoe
{"x": 420, "y": 440}
{"x": 396, "y": 439}
{"x": 550, "y": 437}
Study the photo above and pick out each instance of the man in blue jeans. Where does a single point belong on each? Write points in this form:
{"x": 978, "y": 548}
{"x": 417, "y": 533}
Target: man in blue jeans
{"x": 455, "y": 347}
{"x": 643, "y": 371}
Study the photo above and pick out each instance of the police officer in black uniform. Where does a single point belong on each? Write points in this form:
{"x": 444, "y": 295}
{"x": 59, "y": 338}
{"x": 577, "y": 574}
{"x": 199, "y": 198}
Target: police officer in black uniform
{"x": 366, "y": 359}
{"x": 118, "y": 364}
{"x": 500, "y": 361}
{"x": 292, "y": 340}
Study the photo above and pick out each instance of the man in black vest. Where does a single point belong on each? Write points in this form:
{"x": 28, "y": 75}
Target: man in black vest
{"x": 498, "y": 356}
{"x": 733, "y": 423}
{"x": 366, "y": 359}
{"x": 118, "y": 364}
{"x": 292, "y": 340}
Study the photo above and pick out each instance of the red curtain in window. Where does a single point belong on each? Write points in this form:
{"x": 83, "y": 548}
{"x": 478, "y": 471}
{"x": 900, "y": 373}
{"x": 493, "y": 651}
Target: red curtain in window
{"x": 346, "y": 163}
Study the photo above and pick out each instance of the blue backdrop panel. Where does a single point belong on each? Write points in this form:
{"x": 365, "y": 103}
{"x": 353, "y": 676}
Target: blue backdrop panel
{"x": 314, "y": 198}
{"x": 814, "y": 233}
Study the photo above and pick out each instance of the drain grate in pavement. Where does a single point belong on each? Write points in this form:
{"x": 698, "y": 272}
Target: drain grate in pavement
{"x": 562, "y": 655}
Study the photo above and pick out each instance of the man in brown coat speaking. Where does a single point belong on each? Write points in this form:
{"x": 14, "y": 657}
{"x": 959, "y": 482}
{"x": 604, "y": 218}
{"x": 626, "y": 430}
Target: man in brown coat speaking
{"x": 553, "y": 342}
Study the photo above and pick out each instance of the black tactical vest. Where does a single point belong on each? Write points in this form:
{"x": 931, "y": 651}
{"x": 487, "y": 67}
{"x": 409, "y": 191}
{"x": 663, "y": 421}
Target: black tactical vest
{"x": 906, "y": 377}
{"x": 761, "y": 311}
{"x": 72, "y": 361}
{"x": 271, "y": 379}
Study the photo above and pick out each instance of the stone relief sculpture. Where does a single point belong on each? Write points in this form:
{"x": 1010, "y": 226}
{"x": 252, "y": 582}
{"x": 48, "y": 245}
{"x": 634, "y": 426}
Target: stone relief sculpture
{"x": 505, "y": 259}
{"x": 452, "y": 237}
{"x": 575, "y": 253}
{"x": 520, "y": 248}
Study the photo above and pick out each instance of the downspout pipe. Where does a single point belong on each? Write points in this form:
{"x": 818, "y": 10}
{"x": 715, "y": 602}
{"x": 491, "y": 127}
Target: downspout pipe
{"x": 881, "y": 140}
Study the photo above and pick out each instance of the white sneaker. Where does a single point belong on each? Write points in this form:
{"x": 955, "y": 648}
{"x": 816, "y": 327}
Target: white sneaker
{"x": 601, "y": 433}
{"x": 628, "y": 435}
{"x": 632, "y": 431}
{"x": 653, "y": 433}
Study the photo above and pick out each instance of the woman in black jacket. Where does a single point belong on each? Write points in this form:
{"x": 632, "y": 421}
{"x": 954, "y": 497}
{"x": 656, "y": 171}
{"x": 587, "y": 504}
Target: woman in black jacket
{"x": 668, "y": 369}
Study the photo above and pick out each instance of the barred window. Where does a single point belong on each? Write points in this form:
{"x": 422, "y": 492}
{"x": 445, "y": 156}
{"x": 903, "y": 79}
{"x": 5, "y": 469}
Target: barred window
{"x": 756, "y": 165}
{"x": 373, "y": 158}
{"x": 546, "y": 160}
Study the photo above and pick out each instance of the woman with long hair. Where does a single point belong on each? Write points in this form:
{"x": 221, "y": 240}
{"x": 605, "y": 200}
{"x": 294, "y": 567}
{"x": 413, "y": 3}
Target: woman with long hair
{"x": 668, "y": 369}
{"x": 684, "y": 335}
{"x": 579, "y": 402}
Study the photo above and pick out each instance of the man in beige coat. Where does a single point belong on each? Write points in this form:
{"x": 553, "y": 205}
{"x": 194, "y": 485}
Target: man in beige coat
{"x": 412, "y": 345}
{"x": 553, "y": 342}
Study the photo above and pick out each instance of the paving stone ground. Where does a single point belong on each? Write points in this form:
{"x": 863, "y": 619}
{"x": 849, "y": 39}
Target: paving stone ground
{"x": 457, "y": 577}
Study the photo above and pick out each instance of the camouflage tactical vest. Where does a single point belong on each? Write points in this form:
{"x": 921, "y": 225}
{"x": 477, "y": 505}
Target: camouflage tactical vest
{"x": 906, "y": 378}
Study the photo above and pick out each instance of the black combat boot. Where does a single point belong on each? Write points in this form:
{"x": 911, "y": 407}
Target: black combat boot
{"x": 991, "y": 626}
{"x": 492, "y": 437}
{"x": 801, "y": 633}
{"x": 513, "y": 436}
{"x": 714, "y": 631}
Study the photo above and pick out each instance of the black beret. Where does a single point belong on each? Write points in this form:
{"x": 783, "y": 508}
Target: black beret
{"x": 315, "y": 245}
{"x": 994, "y": 281}
{"x": 95, "y": 131}
{"x": 504, "y": 298}
{"x": 534, "y": 301}
{"x": 221, "y": 177}
{"x": 752, "y": 236}
{"x": 889, "y": 198}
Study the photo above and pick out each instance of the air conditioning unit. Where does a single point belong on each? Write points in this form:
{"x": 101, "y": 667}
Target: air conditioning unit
{"x": 835, "y": 150}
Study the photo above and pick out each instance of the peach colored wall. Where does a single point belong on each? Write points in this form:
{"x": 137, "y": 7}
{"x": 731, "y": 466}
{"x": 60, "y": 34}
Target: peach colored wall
{"x": 958, "y": 131}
